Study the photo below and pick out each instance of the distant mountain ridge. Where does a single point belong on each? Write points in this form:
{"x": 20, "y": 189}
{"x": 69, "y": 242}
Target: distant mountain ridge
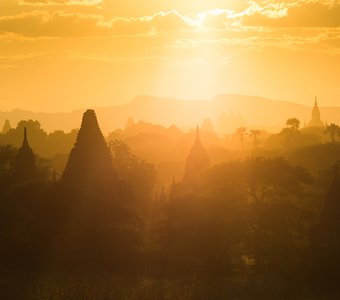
{"x": 256, "y": 111}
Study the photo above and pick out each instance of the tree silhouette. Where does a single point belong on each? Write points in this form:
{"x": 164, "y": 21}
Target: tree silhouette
{"x": 332, "y": 130}
{"x": 273, "y": 189}
{"x": 241, "y": 133}
{"x": 139, "y": 174}
{"x": 261, "y": 178}
{"x": 254, "y": 134}
{"x": 293, "y": 123}
{"x": 325, "y": 238}
{"x": 8, "y": 156}
{"x": 291, "y": 132}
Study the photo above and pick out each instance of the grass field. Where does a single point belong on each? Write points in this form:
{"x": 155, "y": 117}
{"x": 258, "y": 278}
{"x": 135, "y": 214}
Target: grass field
{"x": 127, "y": 288}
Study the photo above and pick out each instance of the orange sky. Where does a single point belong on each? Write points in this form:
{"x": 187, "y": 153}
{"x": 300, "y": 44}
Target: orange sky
{"x": 58, "y": 55}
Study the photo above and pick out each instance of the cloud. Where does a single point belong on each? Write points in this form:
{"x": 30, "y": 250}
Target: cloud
{"x": 265, "y": 13}
{"x": 307, "y": 13}
{"x": 59, "y": 2}
{"x": 61, "y": 24}
{"x": 262, "y": 23}
{"x": 42, "y": 23}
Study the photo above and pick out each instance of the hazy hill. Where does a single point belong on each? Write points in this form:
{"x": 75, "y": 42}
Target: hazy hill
{"x": 256, "y": 111}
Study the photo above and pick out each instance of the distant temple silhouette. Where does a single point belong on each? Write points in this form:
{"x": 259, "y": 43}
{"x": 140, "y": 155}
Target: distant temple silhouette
{"x": 197, "y": 161}
{"x": 130, "y": 123}
{"x": 316, "y": 116}
{"x": 25, "y": 166}
{"x": 7, "y": 127}
{"x": 90, "y": 159}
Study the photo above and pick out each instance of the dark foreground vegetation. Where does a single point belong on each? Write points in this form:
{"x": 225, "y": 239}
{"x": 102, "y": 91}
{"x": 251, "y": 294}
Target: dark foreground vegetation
{"x": 265, "y": 226}
{"x": 142, "y": 287}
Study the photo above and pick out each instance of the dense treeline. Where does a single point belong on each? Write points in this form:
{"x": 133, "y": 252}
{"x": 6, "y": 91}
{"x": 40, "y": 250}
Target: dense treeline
{"x": 260, "y": 220}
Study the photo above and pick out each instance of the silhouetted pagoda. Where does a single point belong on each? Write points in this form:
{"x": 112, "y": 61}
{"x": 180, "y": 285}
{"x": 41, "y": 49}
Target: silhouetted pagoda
{"x": 130, "y": 123}
{"x": 197, "y": 161}
{"x": 90, "y": 159}
{"x": 25, "y": 167}
{"x": 316, "y": 116}
{"x": 7, "y": 127}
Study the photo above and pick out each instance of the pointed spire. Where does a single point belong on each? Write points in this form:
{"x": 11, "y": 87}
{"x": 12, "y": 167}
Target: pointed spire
{"x": 197, "y": 137}
{"x": 25, "y": 141}
{"x": 316, "y": 116}
{"x": 197, "y": 160}
{"x": 25, "y": 169}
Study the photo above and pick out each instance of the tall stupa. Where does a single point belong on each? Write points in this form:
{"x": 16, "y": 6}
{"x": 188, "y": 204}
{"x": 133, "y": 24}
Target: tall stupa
{"x": 90, "y": 159}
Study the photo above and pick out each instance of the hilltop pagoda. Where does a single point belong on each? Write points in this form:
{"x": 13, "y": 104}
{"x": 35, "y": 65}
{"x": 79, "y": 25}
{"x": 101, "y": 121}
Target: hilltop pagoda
{"x": 316, "y": 121}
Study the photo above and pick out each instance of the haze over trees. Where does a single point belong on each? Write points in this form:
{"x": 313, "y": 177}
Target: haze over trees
{"x": 254, "y": 212}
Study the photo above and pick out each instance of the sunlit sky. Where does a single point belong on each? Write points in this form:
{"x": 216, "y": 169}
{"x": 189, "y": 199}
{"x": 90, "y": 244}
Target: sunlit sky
{"x": 59, "y": 55}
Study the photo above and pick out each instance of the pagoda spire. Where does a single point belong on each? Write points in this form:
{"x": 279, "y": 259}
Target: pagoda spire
{"x": 25, "y": 143}
{"x": 197, "y": 137}
{"x": 25, "y": 168}
{"x": 197, "y": 161}
{"x": 316, "y": 116}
